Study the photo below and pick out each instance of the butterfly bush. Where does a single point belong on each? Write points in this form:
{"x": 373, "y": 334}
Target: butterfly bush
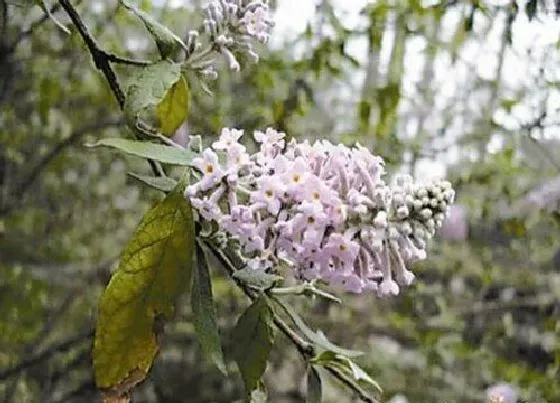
{"x": 232, "y": 25}
{"x": 323, "y": 210}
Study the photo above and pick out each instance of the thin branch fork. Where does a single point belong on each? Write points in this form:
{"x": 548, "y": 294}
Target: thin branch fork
{"x": 100, "y": 58}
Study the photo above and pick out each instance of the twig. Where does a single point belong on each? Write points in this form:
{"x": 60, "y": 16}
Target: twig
{"x": 538, "y": 124}
{"x": 38, "y": 168}
{"x": 303, "y": 347}
{"x": 351, "y": 384}
{"x": 47, "y": 354}
{"x": 100, "y": 58}
{"x": 124, "y": 60}
{"x": 24, "y": 34}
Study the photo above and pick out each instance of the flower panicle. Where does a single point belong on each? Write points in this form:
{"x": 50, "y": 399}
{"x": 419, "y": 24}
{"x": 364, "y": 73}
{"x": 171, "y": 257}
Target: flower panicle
{"x": 322, "y": 209}
{"x": 232, "y": 27}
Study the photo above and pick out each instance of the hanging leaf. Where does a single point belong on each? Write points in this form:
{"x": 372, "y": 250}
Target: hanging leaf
{"x": 173, "y": 110}
{"x": 163, "y": 183}
{"x": 258, "y": 279}
{"x": 314, "y": 387}
{"x": 154, "y": 269}
{"x": 205, "y": 323}
{"x": 148, "y": 86}
{"x": 157, "y": 152}
{"x": 167, "y": 41}
{"x": 253, "y": 338}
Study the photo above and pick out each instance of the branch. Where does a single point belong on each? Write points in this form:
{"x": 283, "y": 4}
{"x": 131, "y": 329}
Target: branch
{"x": 100, "y": 58}
{"x": 47, "y": 354}
{"x": 538, "y": 123}
{"x": 304, "y": 348}
{"x": 52, "y": 154}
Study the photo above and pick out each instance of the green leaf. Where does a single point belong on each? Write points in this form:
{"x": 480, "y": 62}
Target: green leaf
{"x": 256, "y": 278}
{"x": 253, "y": 338}
{"x": 318, "y": 338}
{"x": 205, "y": 323}
{"x": 167, "y": 41}
{"x": 154, "y": 269}
{"x": 157, "y": 152}
{"x": 345, "y": 364}
{"x": 314, "y": 387}
{"x": 174, "y": 109}
{"x": 148, "y": 86}
{"x": 163, "y": 183}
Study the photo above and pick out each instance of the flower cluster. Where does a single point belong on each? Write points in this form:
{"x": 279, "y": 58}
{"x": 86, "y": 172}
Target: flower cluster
{"x": 232, "y": 24}
{"x": 322, "y": 209}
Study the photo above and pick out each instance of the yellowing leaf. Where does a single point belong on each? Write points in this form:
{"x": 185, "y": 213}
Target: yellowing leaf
{"x": 154, "y": 269}
{"x": 148, "y": 87}
{"x": 173, "y": 110}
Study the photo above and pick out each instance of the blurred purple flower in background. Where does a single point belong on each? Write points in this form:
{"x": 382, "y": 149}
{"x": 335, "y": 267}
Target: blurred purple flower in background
{"x": 456, "y": 226}
{"x": 501, "y": 393}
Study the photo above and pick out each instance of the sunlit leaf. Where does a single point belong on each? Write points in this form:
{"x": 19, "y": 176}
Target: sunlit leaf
{"x": 167, "y": 42}
{"x": 154, "y": 269}
{"x": 145, "y": 149}
{"x": 204, "y": 316}
{"x": 253, "y": 338}
{"x": 173, "y": 110}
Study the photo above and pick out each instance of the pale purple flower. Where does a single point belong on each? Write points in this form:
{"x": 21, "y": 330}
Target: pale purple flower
{"x": 228, "y": 138}
{"x": 269, "y": 193}
{"x": 209, "y": 210}
{"x": 295, "y": 177}
{"x": 315, "y": 190}
{"x": 342, "y": 247}
{"x": 237, "y": 156}
{"x": 321, "y": 209}
{"x": 456, "y": 227}
{"x": 210, "y": 168}
{"x": 501, "y": 393}
{"x": 271, "y": 140}
{"x": 256, "y": 22}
